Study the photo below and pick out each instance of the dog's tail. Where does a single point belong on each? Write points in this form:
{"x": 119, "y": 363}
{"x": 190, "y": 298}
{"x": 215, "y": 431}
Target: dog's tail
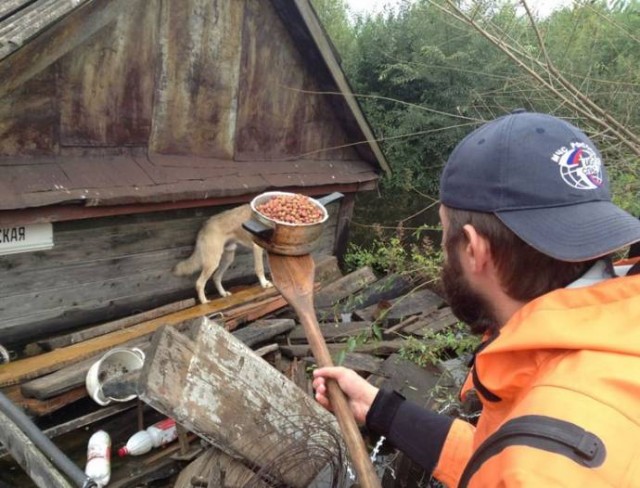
{"x": 188, "y": 266}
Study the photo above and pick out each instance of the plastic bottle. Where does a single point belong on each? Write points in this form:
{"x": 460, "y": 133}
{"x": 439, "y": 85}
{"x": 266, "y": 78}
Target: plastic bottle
{"x": 157, "y": 435}
{"x": 99, "y": 458}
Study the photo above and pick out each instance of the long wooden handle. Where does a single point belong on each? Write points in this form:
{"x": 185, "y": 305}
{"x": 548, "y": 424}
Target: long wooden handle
{"x": 367, "y": 477}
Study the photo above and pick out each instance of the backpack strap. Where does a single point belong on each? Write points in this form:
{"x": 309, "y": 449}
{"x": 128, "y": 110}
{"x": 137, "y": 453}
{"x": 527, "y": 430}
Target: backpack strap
{"x": 539, "y": 432}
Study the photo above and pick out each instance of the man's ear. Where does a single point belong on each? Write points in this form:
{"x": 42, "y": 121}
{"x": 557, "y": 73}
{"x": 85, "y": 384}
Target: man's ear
{"x": 476, "y": 250}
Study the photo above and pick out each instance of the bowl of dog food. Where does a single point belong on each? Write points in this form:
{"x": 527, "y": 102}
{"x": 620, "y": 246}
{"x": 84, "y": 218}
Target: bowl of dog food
{"x": 288, "y": 223}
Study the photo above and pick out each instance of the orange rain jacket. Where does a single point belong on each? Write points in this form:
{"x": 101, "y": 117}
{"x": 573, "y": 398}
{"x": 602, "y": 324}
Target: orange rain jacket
{"x": 560, "y": 387}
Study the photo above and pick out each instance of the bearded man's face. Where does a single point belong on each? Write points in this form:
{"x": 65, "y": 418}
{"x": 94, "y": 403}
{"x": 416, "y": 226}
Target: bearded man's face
{"x": 467, "y": 304}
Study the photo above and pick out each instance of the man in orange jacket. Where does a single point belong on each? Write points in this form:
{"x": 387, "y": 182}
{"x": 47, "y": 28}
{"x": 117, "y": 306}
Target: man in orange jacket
{"x": 528, "y": 230}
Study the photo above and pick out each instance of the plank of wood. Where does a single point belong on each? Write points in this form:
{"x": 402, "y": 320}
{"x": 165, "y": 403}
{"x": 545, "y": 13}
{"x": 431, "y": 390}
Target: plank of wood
{"x": 55, "y": 42}
{"x": 255, "y": 312}
{"x": 98, "y": 330}
{"x": 198, "y": 84}
{"x": 8, "y": 7}
{"x": 28, "y": 22}
{"x": 38, "y": 408}
{"x": 434, "y": 322}
{"x": 386, "y": 288}
{"x": 345, "y": 286}
{"x": 363, "y": 363}
{"x": 333, "y": 332}
{"x": 377, "y": 348}
{"x": 74, "y": 375}
{"x": 219, "y": 389}
{"x": 263, "y": 330}
{"x": 327, "y": 270}
{"x": 416, "y": 302}
{"x": 43, "y": 473}
{"x": 17, "y": 371}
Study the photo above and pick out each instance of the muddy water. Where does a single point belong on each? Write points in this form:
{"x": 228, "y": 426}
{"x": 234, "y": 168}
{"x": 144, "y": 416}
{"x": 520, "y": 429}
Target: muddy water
{"x": 388, "y": 211}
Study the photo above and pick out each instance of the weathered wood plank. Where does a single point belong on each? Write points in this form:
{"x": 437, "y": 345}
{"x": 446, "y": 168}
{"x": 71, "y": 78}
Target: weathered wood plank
{"x": 386, "y": 288}
{"x": 8, "y": 7}
{"x": 83, "y": 335}
{"x": 377, "y": 348}
{"x": 363, "y": 363}
{"x": 30, "y": 21}
{"x": 347, "y": 285}
{"x": 434, "y": 322}
{"x": 308, "y": 33}
{"x": 196, "y": 96}
{"x": 262, "y": 330}
{"x": 17, "y": 371}
{"x": 270, "y": 113}
{"x": 333, "y": 332}
{"x": 38, "y": 408}
{"x": 106, "y": 98}
{"x": 416, "y": 302}
{"x": 219, "y": 389}
{"x": 35, "y": 463}
{"x": 56, "y": 41}
{"x": 28, "y": 129}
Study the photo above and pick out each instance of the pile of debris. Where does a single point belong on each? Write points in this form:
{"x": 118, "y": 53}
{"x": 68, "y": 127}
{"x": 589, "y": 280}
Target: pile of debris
{"x": 240, "y": 421}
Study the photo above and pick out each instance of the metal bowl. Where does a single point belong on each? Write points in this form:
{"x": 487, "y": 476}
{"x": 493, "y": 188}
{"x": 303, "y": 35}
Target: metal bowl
{"x": 282, "y": 237}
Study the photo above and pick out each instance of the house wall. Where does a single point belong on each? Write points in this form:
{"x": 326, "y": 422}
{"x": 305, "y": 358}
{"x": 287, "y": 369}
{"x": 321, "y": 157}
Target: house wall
{"x": 105, "y": 268}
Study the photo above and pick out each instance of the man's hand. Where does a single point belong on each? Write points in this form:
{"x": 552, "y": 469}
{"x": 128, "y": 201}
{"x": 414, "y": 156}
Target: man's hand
{"x": 360, "y": 394}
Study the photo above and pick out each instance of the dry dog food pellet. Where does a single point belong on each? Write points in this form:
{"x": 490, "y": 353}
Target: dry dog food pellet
{"x": 291, "y": 209}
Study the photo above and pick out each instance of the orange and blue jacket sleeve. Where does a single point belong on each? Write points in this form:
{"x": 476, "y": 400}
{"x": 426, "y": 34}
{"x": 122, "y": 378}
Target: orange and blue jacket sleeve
{"x": 416, "y": 431}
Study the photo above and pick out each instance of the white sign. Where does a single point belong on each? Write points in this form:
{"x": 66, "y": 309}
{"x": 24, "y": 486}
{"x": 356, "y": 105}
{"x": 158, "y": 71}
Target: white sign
{"x": 25, "y": 238}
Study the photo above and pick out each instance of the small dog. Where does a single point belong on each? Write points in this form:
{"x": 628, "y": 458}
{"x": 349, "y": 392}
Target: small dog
{"x": 216, "y": 248}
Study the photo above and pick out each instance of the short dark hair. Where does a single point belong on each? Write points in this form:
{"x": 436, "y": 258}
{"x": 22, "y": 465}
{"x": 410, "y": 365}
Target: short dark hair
{"x": 524, "y": 272}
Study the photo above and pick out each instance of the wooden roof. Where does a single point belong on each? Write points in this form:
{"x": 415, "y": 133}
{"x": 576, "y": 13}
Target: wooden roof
{"x": 106, "y": 102}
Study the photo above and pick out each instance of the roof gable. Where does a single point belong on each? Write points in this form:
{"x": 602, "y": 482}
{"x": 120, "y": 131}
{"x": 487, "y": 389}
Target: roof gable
{"x": 131, "y": 101}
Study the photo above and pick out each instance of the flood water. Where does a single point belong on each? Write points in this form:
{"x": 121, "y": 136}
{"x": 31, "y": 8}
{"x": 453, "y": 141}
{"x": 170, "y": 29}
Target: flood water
{"x": 387, "y": 211}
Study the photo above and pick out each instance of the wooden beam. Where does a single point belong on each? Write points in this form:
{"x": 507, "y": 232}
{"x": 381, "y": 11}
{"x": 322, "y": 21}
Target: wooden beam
{"x": 17, "y": 371}
{"x": 319, "y": 37}
{"x": 219, "y": 389}
{"x": 90, "y": 332}
{"x": 58, "y": 40}
{"x": 28, "y": 22}
{"x": 9, "y": 7}
{"x": 60, "y": 213}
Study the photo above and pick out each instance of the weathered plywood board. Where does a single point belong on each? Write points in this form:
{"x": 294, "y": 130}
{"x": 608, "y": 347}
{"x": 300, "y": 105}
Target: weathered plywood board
{"x": 106, "y": 84}
{"x": 270, "y": 103}
{"x": 28, "y": 120}
{"x": 219, "y": 389}
{"x": 196, "y": 93}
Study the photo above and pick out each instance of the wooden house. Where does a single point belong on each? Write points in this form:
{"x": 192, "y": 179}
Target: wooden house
{"x": 124, "y": 124}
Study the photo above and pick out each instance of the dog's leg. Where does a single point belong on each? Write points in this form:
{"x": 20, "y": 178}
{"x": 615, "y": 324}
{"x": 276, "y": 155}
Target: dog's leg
{"x": 210, "y": 261}
{"x": 258, "y": 262}
{"x": 227, "y": 258}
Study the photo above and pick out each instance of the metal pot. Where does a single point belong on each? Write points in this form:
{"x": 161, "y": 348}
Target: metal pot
{"x": 284, "y": 238}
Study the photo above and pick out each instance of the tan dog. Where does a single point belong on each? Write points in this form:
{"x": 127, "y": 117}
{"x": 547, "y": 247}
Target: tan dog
{"x": 216, "y": 248}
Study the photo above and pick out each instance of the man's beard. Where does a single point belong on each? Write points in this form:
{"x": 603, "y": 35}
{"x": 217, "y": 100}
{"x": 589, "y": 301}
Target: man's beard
{"x": 466, "y": 304}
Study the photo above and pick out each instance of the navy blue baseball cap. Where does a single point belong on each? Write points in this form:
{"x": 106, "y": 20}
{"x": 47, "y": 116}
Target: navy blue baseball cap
{"x": 545, "y": 180}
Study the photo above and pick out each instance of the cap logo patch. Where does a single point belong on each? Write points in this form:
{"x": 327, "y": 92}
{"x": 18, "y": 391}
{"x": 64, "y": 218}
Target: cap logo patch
{"x": 580, "y": 166}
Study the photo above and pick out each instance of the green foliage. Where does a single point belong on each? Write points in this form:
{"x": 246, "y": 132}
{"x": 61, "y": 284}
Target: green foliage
{"x": 440, "y": 346}
{"x": 386, "y": 255}
{"x": 427, "y": 79}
